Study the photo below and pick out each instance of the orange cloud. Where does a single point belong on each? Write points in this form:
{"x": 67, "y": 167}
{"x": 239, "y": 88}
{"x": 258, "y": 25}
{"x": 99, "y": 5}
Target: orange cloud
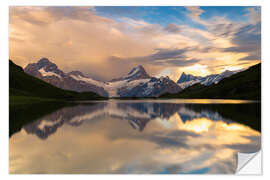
{"x": 76, "y": 38}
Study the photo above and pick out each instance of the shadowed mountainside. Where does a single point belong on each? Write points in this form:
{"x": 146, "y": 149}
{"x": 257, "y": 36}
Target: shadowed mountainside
{"x": 243, "y": 85}
{"x": 26, "y": 88}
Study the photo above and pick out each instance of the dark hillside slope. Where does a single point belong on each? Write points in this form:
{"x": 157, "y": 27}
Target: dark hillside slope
{"x": 243, "y": 85}
{"x": 22, "y": 84}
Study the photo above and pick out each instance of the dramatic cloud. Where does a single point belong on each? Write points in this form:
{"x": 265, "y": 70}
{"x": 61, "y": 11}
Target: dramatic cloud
{"x": 247, "y": 40}
{"x": 195, "y": 13}
{"x": 162, "y": 57}
{"x": 99, "y": 40}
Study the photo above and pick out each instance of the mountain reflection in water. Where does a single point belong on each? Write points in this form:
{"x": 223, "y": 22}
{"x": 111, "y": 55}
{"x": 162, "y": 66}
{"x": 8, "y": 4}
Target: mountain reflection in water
{"x": 150, "y": 136}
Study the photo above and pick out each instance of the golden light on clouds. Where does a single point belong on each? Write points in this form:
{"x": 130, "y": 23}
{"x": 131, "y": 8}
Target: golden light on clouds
{"x": 196, "y": 69}
{"x": 88, "y": 39}
{"x": 198, "y": 125}
{"x": 224, "y": 133}
{"x": 101, "y": 146}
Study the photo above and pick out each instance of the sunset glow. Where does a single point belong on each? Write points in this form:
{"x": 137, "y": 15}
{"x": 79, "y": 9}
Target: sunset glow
{"x": 165, "y": 40}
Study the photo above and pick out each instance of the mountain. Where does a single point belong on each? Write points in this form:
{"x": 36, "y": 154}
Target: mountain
{"x": 135, "y": 74}
{"x": 23, "y": 85}
{"x": 153, "y": 87}
{"x": 137, "y": 83}
{"x": 243, "y": 85}
{"x": 49, "y": 72}
{"x": 186, "y": 78}
{"x": 189, "y": 80}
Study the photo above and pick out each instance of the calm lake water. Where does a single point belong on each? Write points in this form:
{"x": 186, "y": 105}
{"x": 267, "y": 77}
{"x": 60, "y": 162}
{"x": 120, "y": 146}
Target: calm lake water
{"x": 133, "y": 136}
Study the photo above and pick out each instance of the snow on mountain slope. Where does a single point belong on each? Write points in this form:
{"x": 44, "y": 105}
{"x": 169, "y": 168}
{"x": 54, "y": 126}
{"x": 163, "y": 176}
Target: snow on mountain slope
{"x": 189, "y": 80}
{"x": 188, "y": 83}
{"x": 133, "y": 72}
{"x": 113, "y": 87}
{"x": 88, "y": 80}
{"x": 49, "y": 72}
{"x": 45, "y": 73}
{"x": 187, "y": 77}
{"x": 152, "y": 88}
{"x": 137, "y": 83}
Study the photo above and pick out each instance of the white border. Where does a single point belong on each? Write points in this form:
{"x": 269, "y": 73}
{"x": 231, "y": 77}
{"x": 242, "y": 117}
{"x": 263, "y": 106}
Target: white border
{"x": 4, "y": 78}
{"x": 138, "y": 2}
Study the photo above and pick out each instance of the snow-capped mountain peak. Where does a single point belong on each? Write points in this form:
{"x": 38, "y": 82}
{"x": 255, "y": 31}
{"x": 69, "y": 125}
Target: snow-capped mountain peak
{"x": 76, "y": 81}
{"x": 136, "y": 73}
{"x": 136, "y": 69}
{"x": 189, "y": 80}
{"x": 187, "y": 77}
{"x": 47, "y": 65}
{"x": 44, "y": 67}
{"x": 137, "y": 83}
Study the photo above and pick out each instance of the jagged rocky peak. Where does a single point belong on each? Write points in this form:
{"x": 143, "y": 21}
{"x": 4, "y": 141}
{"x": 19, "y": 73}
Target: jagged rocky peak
{"x": 187, "y": 77}
{"x": 182, "y": 78}
{"x": 47, "y": 64}
{"x": 137, "y": 72}
{"x": 137, "y": 68}
{"x": 188, "y": 80}
{"x": 42, "y": 67}
{"x": 42, "y": 63}
{"x": 48, "y": 71}
{"x": 183, "y": 74}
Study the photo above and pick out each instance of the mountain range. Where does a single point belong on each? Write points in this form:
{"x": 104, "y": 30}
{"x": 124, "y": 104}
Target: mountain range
{"x": 187, "y": 80}
{"x": 242, "y": 85}
{"x": 137, "y": 83}
{"x": 24, "y": 88}
{"x": 49, "y": 72}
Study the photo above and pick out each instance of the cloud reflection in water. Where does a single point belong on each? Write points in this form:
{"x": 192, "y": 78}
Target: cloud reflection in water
{"x": 127, "y": 137}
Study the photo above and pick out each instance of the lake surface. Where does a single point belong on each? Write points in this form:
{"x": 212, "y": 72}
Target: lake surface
{"x": 134, "y": 136}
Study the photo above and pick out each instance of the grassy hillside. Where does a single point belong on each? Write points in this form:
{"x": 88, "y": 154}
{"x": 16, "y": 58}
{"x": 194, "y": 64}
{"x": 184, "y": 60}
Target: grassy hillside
{"x": 243, "y": 85}
{"x": 24, "y": 88}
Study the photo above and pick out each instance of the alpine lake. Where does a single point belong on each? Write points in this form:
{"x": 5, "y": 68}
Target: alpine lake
{"x": 176, "y": 136}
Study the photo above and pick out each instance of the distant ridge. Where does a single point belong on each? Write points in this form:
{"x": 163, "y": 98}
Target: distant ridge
{"x": 242, "y": 85}
{"x": 22, "y": 84}
{"x": 48, "y": 71}
{"x": 137, "y": 83}
{"x": 187, "y": 80}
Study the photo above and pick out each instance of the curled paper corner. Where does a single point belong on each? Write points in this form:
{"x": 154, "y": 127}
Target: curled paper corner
{"x": 249, "y": 163}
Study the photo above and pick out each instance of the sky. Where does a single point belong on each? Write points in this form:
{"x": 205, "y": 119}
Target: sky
{"x": 107, "y": 42}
